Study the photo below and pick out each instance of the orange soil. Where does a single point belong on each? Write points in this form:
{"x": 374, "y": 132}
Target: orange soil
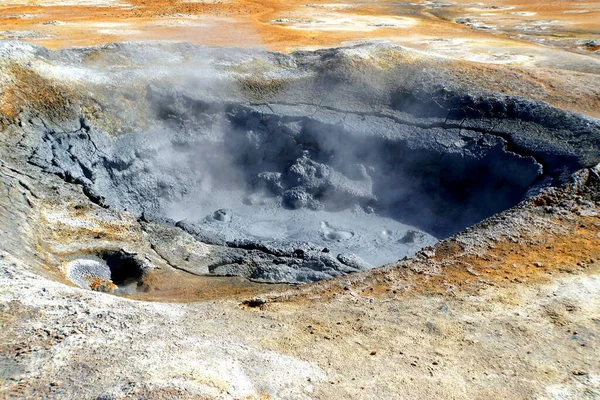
{"x": 176, "y": 286}
{"x": 30, "y": 90}
{"x": 248, "y": 22}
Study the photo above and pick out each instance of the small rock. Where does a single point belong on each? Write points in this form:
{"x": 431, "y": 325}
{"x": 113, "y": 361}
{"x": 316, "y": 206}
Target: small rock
{"x": 463, "y": 21}
{"x": 353, "y": 261}
{"x": 411, "y": 237}
{"x": 222, "y": 215}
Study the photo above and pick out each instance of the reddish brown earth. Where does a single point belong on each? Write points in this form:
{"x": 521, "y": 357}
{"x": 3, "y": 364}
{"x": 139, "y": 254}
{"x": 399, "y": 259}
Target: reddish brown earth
{"x": 249, "y": 23}
{"x": 552, "y": 64}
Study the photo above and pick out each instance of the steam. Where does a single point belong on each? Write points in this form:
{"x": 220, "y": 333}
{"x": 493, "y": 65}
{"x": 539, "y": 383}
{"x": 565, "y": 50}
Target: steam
{"x": 200, "y": 156}
{"x": 227, "y": 134}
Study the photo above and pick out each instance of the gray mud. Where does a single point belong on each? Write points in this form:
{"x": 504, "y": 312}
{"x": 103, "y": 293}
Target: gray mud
{"x": 336, "y": 173}
{"x": 377, "y": 240}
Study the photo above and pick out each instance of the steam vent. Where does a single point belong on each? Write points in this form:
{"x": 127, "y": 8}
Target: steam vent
{"x": 281, "y": 200}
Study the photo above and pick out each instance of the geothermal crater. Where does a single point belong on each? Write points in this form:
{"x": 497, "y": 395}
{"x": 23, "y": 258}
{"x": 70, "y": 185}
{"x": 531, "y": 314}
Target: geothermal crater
{"x": 209, "y": 183}
{"x": 283, "y": 188}
{"x": 311, "y": 199}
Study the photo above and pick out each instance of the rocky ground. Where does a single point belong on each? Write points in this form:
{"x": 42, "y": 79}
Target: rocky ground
{"x": 104, "y": 296}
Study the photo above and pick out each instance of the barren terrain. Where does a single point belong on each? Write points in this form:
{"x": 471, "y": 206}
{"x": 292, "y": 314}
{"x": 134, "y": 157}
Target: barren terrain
{"x": 183, "y": 221}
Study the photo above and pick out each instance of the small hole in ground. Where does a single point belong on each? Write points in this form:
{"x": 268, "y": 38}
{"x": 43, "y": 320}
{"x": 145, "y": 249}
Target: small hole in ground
{"x": 117, "y": 272}
{"x": 254, "y": 303}
{"x": 125, "y": 268}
